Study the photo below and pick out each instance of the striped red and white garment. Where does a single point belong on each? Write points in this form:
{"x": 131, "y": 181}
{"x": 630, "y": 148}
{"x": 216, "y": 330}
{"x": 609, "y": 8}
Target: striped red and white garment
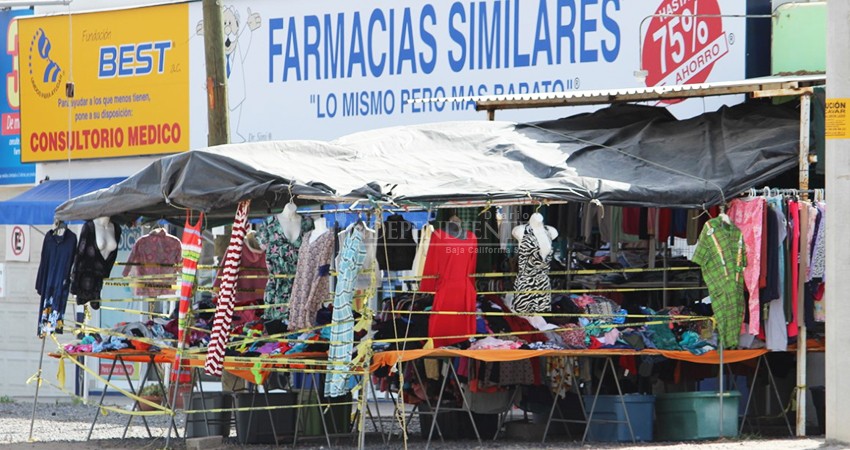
{"x": 214, "y": 363}
{"x": 191, "y": 246}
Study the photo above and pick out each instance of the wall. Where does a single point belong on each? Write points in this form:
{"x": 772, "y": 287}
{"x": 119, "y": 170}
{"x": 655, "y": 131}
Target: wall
{"x": 19, "y": 348}
{"x": 799, "y": 38}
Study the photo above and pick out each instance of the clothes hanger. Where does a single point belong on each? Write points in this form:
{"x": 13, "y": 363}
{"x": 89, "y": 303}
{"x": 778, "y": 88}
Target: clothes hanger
{"x": 59, "y": 227}
{"x": 703, "y": 213}
{"x": 487, "y": 206}
{"x": 723, "y": 215}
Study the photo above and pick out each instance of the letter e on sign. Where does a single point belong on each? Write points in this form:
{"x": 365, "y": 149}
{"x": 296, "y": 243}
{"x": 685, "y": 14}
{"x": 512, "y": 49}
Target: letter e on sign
{"x": 17, "y": 243}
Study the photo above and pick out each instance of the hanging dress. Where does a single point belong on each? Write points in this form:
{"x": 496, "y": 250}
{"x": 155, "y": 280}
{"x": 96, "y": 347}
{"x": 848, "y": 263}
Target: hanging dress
{"x": 311, "y": 286}
{"x": 190, "y": 246}
{"x": 57, "y": 257}
{"x": 721, "y": 255}
{"x": 452, "y": 260}
{"x": 90, "y": 267}
{"x": 214, "y": 363}
{"x": 532, "y": 283}
{"x": 351, "y": 259}
{"x": 155, "y": 259}
{"x": 281, "y": 259}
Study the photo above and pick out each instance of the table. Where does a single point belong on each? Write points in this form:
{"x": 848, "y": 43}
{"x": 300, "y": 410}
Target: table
{"x": 123, "y": 357}
{"x": 395, "y": 357}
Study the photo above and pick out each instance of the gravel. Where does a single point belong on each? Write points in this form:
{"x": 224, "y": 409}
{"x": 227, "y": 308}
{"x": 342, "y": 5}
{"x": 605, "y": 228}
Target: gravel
{"x": 65, "y": 426}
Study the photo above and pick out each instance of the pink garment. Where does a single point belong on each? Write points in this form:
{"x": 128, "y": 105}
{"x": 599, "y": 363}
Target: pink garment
{"x": 491, "y": 343}
{"x": 583, "y": 301}
{"x": 748, "y": 216}
{"x": 158, "y": 253}
{"x": 794, "y": 213}
{"x": 610, "y": 338}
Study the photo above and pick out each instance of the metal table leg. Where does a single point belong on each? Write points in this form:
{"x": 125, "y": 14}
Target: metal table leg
{"x": 102, "y": 396}
{"x": 608, "y": 362}
{"x": 466, "y": 404}
{"x": 141, "y": 386}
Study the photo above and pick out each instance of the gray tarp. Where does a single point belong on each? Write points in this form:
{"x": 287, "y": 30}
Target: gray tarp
{"x": 626, "y": 155}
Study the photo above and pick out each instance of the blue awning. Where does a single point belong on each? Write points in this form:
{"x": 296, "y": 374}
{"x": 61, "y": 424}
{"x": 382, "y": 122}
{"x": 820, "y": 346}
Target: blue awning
{"x": 37, "y": 205}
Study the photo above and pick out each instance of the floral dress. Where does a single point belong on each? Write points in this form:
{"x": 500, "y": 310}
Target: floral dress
{"x": 281, "y": 259}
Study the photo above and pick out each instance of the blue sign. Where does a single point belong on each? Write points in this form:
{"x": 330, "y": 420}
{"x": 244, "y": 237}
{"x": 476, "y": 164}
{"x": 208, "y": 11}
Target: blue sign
{"x": 12, "y": 171}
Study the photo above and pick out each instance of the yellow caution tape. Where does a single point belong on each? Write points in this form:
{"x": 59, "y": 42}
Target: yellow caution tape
{"x": 36, "y": 377}
{"x": 60, "y": 374}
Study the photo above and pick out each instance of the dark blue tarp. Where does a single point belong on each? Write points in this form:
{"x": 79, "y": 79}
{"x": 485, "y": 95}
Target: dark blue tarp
{"x": 37, "y": 206}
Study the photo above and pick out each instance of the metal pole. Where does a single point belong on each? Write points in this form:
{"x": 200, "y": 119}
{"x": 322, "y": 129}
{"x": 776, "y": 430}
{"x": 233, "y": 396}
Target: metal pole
{"x": 38, "y": 385}
{"x": 805, "y": 120}
{"x": 720, "y": 386}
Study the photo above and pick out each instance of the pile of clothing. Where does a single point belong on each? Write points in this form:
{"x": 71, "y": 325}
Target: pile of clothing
{"x": 124, "y": 335}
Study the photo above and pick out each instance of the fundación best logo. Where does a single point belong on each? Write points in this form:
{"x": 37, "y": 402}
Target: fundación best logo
{"x": 45, "y": 74}
{"x": 684, "y": 48}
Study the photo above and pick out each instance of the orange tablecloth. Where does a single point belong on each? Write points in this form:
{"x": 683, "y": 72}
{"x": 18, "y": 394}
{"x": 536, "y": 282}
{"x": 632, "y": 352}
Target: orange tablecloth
{"x": 127, "y": 355}
{"x": 242, "y": 370}
{"x": 389, "y": 358}
{"x": 247, "y": 370}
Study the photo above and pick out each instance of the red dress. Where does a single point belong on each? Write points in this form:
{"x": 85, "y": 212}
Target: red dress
{"x": 452, "y": 260}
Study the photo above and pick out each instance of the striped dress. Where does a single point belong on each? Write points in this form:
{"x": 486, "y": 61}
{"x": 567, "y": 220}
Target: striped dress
{"x": 532, "y": 277}
{"x": 191, "y": 252}
{"x": 214, "y": 363}
{"x": 352, "y": 256}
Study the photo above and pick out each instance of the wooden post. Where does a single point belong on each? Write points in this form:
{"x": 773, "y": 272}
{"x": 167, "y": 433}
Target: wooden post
{"x": 217, "y": 109}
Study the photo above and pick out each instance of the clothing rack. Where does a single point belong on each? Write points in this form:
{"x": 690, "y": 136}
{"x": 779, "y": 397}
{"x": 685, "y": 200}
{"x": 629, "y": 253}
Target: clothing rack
{"x": 819, "y": 195}
{"x": 427, "y": 206}
{"x": 780, "y": 191}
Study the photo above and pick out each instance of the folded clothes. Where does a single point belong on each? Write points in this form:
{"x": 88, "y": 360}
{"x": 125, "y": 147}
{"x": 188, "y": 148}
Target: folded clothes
{"x": 491, "y": 343}
{"x": 539, "y": 323}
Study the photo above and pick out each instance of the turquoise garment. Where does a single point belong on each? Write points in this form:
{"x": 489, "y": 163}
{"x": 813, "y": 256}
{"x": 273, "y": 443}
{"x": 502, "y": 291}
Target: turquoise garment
{"x": 352, "y": 256}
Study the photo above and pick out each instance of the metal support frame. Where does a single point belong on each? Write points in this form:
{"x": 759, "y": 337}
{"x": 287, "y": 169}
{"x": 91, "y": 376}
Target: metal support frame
{"x": 319, "y": 406}
{"x": 588, "y": 415}
{"x": 251, "y": 412}
{"x": 771, "y": 381}
{"x": 38, "y": 385}
{"x": 436, "y": 411}
{"x": 415, "y": 408}
{"x": 550, "y": 419}
{"x": 805, "y": 123}
{"x": 151, "y": 368}
{"x": 150, "y": 365}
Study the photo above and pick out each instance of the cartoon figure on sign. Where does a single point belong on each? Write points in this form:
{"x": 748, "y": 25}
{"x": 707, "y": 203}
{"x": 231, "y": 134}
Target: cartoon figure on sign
{"x": 235, "y": 51}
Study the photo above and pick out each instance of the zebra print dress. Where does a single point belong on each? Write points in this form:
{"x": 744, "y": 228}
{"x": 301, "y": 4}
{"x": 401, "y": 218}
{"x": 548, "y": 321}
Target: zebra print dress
{"x": 532, "y": 277}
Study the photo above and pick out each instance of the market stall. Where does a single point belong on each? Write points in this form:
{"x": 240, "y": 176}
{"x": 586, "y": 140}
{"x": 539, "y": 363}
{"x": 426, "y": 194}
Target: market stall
{"x": 619, "y": 158}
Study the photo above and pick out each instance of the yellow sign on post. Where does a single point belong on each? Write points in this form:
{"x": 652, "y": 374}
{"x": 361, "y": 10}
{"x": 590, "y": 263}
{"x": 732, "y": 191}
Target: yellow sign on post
{"x": 130, "y": 74}
{"x": 838, "y": 118}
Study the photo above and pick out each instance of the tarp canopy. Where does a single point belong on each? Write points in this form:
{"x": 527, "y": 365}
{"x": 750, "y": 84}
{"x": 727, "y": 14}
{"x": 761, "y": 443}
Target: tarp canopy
{"x": 37, "y": 205}
{"x": 622, "y": 155}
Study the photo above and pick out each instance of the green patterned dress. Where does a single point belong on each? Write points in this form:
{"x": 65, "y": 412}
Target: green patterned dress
{"x": 281, "y": 259}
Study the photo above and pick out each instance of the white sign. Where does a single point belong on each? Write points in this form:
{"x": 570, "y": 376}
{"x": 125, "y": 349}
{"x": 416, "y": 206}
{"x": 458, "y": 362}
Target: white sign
{"x": 18, "y": 243}
{"x": 318, "y": 70}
